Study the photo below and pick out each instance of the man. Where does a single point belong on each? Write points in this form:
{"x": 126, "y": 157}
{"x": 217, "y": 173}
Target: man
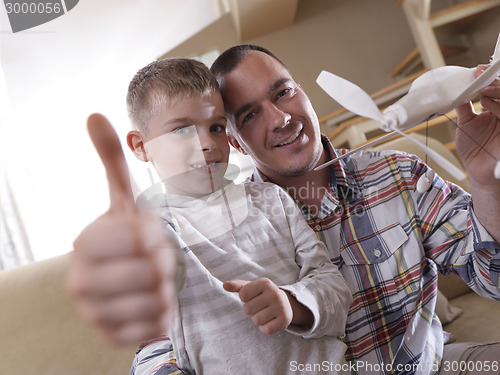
{"x": 391, "y": 238}
{"x": 273, "y": 121}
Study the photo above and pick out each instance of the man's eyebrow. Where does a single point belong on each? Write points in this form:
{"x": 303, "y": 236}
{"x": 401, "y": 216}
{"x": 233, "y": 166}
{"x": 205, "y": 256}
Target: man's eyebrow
{"x": 279, "y": 83}
{"x": 272, "y": 88}
{"x": 242, "y": 110}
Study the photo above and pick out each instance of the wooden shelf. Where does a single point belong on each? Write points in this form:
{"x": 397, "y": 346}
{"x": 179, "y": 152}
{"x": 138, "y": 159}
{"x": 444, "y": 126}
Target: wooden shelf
{"x": 422, "y": 24}
{"x": 414, "y": 55}
{"x": 432, "y": 123}
{"x": 461, "y": 11}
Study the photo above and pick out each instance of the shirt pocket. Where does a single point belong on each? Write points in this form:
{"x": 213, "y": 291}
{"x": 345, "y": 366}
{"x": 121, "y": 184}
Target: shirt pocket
{"x": 372, "y": 248}
{"x": 383, "y": 277}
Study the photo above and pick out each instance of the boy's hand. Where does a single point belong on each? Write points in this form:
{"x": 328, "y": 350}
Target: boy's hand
{"x": 271, "y": 308}
{"x": 122, "y": 270}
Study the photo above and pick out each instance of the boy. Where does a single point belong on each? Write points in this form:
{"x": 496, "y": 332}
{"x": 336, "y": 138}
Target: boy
{"x": 240, "y": 242}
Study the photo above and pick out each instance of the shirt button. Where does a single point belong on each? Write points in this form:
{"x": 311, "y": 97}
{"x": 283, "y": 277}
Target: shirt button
{"x": 377, "y": 253}
{"x": 317, "y": 228}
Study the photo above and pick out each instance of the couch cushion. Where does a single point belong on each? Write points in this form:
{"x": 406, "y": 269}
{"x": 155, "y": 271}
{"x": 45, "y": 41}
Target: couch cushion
{"x": 452, "y": 286}
{"x": 446, "y": 312}
{"x": 41, "y": 333}
{"x": 480, "y": 321}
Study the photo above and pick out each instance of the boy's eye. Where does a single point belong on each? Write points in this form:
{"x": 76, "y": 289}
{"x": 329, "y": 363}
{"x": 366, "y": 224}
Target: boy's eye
{"x": 185, "y": 130}
{"x": 218, "y": 129}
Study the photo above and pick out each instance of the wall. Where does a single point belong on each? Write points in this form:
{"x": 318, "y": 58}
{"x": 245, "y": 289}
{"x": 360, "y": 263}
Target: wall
{"x": 361, "y": 40}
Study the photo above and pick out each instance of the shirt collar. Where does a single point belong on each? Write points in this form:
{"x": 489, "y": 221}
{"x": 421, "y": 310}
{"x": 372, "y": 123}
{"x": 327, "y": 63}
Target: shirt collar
{"x": 156, "y": 197}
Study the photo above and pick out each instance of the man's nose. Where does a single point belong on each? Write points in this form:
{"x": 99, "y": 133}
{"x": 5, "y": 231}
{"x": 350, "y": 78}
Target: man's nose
{"x": 277, "y": 118}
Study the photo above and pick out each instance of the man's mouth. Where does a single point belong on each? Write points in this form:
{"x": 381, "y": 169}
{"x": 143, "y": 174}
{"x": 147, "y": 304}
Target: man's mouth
{"x": 291, "y": 139}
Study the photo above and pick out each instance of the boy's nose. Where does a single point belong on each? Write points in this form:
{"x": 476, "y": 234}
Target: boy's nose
{"x": 207, "y": 142}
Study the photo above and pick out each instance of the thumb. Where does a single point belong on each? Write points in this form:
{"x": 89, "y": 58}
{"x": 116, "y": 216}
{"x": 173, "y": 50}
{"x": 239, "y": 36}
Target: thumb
{"x": 465, "y": 113}
{"x": 109, "y": 149}
{"x": 234, "y": 285}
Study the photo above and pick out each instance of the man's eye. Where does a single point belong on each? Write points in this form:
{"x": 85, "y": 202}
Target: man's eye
{"x": 283, "y": 92}
{"x": 248, "y": 117}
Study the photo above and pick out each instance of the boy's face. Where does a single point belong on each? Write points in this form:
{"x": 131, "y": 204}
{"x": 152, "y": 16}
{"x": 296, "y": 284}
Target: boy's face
{"x": 187, "y": 144}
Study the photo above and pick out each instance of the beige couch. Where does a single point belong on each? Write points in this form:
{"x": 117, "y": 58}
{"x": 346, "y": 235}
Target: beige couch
{"x": 478, "y": 319}
{"x": 41, "y": 334}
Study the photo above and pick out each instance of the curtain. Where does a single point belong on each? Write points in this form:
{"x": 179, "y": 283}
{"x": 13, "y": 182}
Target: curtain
{"x": 14, "y": 245}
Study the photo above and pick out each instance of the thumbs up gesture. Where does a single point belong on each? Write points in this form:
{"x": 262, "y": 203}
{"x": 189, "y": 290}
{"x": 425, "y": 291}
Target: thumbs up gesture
{"x": 122, "y": 271}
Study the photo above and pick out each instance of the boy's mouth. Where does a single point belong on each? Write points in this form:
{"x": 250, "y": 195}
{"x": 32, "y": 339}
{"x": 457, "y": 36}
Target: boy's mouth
{"x": 205, "y": 166}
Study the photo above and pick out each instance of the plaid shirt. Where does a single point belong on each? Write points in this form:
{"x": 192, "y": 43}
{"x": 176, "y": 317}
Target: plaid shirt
{"x": 389, "y": 242}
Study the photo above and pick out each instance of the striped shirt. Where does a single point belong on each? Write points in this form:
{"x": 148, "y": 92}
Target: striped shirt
{"x": 249, "y": 231}
{"x": 389, "y": 242}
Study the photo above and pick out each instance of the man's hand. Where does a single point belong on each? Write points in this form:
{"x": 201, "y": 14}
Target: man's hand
{"x": 271, "y": 308}
{"x": 479, "y": 145}
{"x": 123, "y": 266}
{"x": 480, "y": 132}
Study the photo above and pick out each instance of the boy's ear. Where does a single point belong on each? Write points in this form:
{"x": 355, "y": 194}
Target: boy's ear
{"x": 136, "y": 144}
{"x": 234, "y": 142}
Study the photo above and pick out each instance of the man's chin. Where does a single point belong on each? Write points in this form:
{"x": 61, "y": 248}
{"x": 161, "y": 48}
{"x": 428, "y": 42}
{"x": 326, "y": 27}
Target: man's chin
{"x": 303, "y": 167}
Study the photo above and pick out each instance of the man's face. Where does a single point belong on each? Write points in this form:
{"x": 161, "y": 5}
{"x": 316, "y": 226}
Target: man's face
{"x": 187, "y": 144}
{"x": 275, "y": 122}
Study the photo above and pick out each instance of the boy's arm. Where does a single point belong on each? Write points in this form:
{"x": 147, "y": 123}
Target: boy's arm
{"x": 123, "y": 270}
{"x": 316, "y": 305}
{"x": 320, "y": 286}
{"x": 272, "y": 309}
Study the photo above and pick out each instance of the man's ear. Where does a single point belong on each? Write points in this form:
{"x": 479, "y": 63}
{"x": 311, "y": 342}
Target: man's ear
{"x": 234, "y": 142}
{"x": 136, "y": 144}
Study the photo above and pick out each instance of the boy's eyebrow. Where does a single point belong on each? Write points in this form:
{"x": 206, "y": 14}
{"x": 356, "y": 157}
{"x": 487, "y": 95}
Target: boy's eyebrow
{"x": 187, "y": 120}
{"x": 220, "y": 118}
{"x": 272, "y": 88}
{"x": 179, "y": 120}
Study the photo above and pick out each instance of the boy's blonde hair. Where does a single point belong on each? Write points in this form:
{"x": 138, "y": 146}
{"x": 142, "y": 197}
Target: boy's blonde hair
{"x": 164, "y": 80}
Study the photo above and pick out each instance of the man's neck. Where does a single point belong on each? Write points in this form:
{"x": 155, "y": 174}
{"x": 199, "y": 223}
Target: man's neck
{"x": 308, "y": 188}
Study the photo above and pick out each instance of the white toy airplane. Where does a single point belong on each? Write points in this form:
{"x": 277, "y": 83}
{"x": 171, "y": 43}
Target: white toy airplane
{"x": 434, "y": 93}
